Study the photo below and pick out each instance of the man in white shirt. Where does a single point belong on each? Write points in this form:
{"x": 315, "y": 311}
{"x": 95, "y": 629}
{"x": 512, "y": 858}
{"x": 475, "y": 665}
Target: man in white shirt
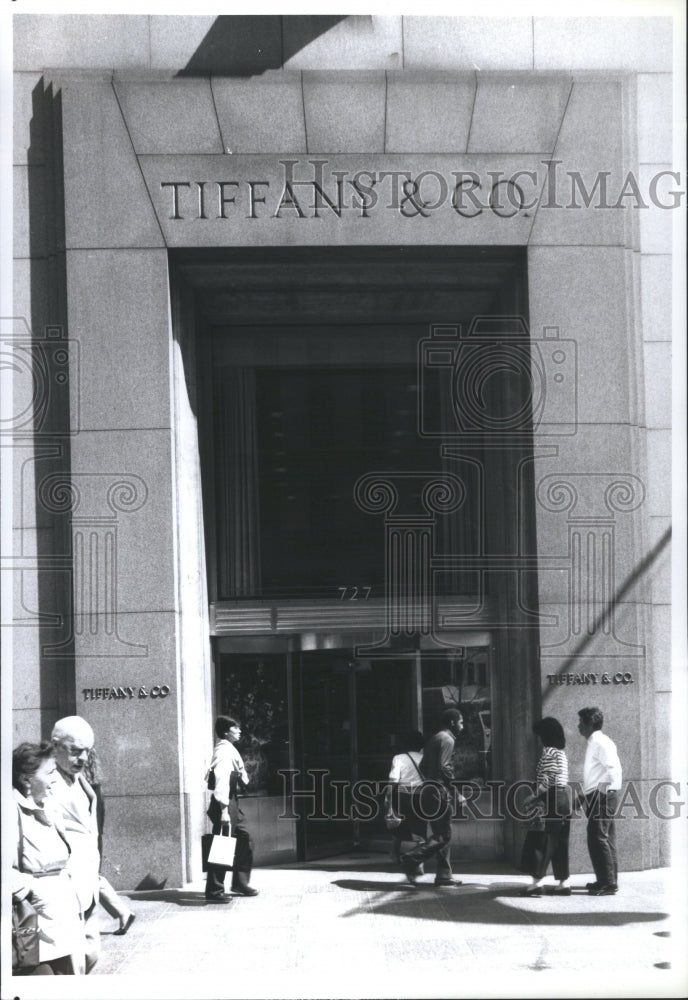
{"x": 75, "y": 802}
{"x": 405, "y": 779}
{"x": 226, "y": 814}
{"x": 601, "y": 784}
{"x": 436, "y": 798}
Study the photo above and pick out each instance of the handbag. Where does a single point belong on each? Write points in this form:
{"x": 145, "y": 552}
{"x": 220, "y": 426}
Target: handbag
{"x": 535, "y": 815}
{"x": 222, "y": 851}
{"x": 25, "y": 935}
{"x": 392, "y": 821}
{"x": 206, "y": 841}
{"x": 217, "y": 850}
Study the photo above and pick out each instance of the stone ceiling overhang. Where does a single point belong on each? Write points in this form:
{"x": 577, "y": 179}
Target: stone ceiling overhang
{"x": 282, "y": 159}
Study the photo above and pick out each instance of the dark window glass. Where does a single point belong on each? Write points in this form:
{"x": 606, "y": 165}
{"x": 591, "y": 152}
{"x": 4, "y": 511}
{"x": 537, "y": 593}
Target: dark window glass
{"x": 319, "y": 430}
{"x": 451, "y": 683}
{"x": 253, "y": 689}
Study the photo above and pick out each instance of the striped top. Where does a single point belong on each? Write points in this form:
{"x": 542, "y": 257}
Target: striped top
{"x": 552, "y": 769}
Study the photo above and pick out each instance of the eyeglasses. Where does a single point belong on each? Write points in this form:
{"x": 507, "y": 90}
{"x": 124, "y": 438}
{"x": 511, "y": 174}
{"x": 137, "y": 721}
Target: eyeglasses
{"x": 75, "y": 751}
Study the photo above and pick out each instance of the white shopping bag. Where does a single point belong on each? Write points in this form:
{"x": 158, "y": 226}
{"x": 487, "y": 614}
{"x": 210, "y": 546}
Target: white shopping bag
{"x": 222, "y": 851}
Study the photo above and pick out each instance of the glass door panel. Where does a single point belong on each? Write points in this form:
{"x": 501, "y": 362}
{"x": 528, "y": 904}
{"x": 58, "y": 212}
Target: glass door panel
{"x": 385, "y": 712}
{"x": 462, "y": 681}
{"x": 324, "y": 752}
{"x": 253, "y": 688}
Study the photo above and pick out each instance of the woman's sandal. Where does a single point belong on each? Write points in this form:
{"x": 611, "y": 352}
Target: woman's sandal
{"x": 536, "y": 890}
{"x": 126, "y": 924}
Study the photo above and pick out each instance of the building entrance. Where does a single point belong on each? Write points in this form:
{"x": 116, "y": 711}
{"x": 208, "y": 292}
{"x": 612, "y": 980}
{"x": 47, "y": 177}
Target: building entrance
{"x": 321, "y": 726}
{"x": 359, "y": 493}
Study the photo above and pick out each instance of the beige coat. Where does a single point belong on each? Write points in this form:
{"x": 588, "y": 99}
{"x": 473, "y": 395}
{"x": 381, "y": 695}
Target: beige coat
{"x": 40, "y": 872}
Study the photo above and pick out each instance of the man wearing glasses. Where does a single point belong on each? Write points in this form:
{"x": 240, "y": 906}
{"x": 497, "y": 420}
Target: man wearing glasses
{"x": 75, "y": 801}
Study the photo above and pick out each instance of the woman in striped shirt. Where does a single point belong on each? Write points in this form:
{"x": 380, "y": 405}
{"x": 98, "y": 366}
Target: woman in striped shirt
{"x": 548, "y": 839}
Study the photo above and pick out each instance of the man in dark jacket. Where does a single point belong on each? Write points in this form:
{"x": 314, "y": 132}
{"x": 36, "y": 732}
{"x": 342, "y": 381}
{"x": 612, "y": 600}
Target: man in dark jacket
{"x": 434, "y": 800}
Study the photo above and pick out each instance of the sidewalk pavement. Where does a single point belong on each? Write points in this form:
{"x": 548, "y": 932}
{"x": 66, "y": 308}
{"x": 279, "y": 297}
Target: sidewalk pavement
{"x": 352, "y": 927}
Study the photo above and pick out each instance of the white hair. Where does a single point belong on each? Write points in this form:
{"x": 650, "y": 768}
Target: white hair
{"x": 73, "y": 727}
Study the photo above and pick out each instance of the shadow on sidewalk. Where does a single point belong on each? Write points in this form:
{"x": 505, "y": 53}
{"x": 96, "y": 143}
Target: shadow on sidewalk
{"x": 488, "y": 904}
{"x": 383, "y": 863}
{"x": 369, "y": 885}
{"x": 180, "y": 897}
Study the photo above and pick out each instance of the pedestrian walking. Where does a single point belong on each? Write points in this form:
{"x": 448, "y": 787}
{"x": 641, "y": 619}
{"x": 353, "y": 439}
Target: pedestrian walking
{"x": 405, "y": 777}
{"x": 548, "y": 839}
{"x": 40, "y": 869}
{"x": 72, "y": 738}
{"x": 108, "y": 896}
{"x": 434, "y": 800}
{"x": 601, "y": 784}
{"x": 225, "y": 812}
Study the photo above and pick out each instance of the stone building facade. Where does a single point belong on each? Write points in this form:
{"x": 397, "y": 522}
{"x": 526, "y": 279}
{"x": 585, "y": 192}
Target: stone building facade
{"x": 218, "y": 217}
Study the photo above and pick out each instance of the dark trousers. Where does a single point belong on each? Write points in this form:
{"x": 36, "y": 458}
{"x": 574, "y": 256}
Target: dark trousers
{"x": 542, "y": 847}
{"x": 243, "y": 855}
{"x": 412, "y": 826}
{"x": 431, "y": 804}
{"x": 600, "y": 811}
{"x": 550, "y": 843}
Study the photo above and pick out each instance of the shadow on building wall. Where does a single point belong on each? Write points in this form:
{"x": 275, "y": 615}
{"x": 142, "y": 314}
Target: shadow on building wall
{"x": 605, "y": 618}
{"x": 247, "y": 45}
{"x": 46, "y": 475}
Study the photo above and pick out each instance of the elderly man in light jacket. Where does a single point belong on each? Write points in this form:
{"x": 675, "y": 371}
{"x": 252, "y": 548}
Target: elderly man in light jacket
{"x": 75, "y": 803}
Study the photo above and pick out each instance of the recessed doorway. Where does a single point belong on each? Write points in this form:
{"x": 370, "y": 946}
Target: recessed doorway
{"x": 315, "y": 368}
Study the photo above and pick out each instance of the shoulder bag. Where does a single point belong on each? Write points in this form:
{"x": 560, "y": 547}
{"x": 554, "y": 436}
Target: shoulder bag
{"x": 25, "y": 934}
{"x": 415, "y": 765}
